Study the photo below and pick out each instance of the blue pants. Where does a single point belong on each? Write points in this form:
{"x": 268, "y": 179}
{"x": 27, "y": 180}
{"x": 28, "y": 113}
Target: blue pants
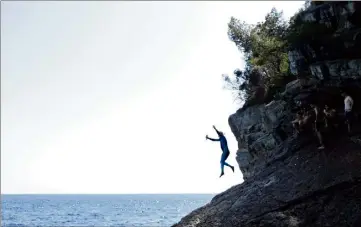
{"x": 224, "y": 157}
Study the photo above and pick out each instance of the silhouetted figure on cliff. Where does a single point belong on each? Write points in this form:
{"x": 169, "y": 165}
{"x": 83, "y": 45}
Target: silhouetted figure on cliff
{"x": 301, "y": 121}
{"x": 319, "y": 123}
{"x": 225, "y": 151}
{"x": 330, "y": 117}
{"x": 297, "y": 122}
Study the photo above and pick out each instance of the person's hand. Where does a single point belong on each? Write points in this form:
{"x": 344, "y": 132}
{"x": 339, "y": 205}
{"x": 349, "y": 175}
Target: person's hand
{"x": 206, "y": 137}
{"x": 214, "y": 127}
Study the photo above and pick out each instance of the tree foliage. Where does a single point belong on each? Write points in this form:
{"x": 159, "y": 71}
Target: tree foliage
{"x": 264, "y": 47}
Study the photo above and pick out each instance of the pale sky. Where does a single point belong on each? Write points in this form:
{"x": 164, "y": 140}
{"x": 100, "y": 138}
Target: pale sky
{"x": 117, "y": 97}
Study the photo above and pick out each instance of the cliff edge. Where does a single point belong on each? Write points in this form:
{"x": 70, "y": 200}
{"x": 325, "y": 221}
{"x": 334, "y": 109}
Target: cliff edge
{"x": 288, "y": 181}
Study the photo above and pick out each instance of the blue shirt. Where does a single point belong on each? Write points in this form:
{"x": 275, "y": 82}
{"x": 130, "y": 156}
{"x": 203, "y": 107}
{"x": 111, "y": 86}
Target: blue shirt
{"x": 224, "y": 145}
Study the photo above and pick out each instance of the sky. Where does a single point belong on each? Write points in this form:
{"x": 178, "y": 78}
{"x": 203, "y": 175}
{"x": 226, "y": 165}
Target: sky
{"x": 117, "y": 97}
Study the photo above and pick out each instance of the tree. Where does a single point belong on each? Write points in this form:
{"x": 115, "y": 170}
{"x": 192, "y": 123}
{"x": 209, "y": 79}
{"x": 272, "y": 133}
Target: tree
{"x": 238, "y": 84}
{"x": 265, "y": 52}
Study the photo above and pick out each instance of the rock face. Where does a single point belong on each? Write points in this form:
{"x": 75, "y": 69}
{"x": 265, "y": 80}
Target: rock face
{"x": 288, "y": 181}
{"x": 304, "y": 188}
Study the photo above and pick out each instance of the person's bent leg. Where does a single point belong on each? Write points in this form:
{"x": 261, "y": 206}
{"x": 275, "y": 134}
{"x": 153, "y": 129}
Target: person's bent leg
{"x": 348, "y": 121}
{"x": 222, "y": 168}
{"x": 226, "y": 164}
{"x": 327, "y": 122}
{"x": 224, "y": 157}
{"x": 230, "y": 166}
{"x": 319, "y": 135}
{"x": 222, "y": 165}
{"x": 320, "y": 139}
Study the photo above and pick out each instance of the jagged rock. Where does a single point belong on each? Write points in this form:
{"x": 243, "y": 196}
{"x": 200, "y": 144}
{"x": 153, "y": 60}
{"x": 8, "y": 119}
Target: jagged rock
{"x": 288, "y": 181}
{"x": 298, "y": 86}
{"x": 296, "y": 60}
{"x": 259, "y": 131}
{"x": 307, "y": 188}
{"x": 326, "y": 48}
{"x": 341, "y": 21}
{"x": 337, "y": 70}
{"x": 337, "y": 15}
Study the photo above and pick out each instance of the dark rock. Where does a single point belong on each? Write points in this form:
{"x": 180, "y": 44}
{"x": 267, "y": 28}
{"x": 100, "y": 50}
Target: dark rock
{"x": 337, "y": 70}
{"x": 307, "y": 188}
{"x": 338, "y": 15}
{"x": 288, "y": 181}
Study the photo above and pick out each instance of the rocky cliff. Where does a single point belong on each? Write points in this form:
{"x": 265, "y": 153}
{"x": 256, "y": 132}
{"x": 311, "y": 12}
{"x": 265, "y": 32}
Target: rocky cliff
{"x": 288, "y": 181}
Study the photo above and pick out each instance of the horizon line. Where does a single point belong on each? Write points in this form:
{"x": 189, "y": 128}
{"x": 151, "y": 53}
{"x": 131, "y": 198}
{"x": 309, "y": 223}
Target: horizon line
{"x": 186, "y": 193}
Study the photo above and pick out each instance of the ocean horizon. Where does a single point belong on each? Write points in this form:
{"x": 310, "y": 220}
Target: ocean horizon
{"x": 148, "y": 209}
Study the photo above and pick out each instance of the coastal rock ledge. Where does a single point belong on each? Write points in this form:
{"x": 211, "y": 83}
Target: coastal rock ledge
{"x": 287, "y": 180}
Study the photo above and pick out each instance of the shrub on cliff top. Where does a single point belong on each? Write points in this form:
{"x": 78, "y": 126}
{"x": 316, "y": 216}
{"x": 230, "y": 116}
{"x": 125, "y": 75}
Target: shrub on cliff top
{"x": 264, "y": 47}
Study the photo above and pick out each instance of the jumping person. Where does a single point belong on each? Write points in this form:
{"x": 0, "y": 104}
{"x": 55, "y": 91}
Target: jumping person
{"x": 348, "y": 101}
{"x": 225, "y": 151}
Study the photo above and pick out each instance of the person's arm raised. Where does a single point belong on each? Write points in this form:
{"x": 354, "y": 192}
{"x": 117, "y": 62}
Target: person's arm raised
{"x": 219, "y": 133}
{"x": 216, "y": 129}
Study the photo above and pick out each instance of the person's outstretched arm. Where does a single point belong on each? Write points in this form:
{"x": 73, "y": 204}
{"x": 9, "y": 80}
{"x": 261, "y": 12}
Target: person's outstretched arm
{"x": 218, "y": 132}
{"x": 215, "y": 129}
{"x": 211, "y": 138}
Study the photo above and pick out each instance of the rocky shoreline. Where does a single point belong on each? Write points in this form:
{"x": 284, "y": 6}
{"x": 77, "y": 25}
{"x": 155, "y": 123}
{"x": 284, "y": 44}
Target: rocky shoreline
{"x": 288, "y": 181}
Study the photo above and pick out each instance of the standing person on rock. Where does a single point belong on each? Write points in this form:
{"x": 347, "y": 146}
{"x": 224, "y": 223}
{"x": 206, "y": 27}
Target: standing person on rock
{"x": 319, "y": 122}
{"x": 348, "y": 102}
{"x": 225, "y": 151}
{"x": 330, "y": 117}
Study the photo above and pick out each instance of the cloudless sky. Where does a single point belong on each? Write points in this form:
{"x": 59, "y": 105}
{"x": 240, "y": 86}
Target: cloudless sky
{"x": 117, "y": 97}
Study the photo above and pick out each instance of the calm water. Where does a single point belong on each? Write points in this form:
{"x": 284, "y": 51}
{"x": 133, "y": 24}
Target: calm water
{"x": 97, "y": 210}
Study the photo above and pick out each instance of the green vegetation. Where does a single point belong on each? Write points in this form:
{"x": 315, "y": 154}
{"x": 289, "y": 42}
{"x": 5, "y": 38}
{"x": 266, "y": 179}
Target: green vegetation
{"x": 265, "y": 48}
{"x": 265, "y": 51}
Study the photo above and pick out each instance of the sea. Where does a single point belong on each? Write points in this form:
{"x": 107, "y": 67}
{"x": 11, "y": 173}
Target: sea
{"x": 98, "y": 210}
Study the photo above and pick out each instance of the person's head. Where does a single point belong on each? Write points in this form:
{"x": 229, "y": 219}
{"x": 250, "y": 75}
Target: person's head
{"x": 343, "y": 94}
{"x": 220, "y": 133}
{"x": 327, "y": 107}
{"x": 315, "y": 106}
